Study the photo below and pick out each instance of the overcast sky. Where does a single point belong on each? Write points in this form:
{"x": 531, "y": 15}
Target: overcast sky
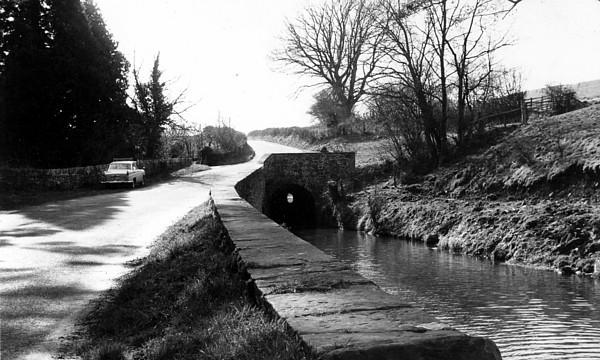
{"x": 219, "y": 50}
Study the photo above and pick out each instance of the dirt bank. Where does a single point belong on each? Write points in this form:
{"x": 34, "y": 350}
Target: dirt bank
{"x": 553, "y": 234}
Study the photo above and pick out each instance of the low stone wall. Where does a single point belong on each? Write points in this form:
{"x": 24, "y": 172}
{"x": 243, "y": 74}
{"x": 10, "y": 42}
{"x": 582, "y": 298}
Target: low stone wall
{"x": 76, "y": 177}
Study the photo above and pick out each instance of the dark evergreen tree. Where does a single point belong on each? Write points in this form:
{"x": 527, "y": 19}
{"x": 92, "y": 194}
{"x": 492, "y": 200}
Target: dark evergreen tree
{"x": 63, "y": 85}
{"x": 111, "y": 70}
{"x": 89, "y": 83}
{"x": 24, "y": 81}
{"x": 7, "y": 11}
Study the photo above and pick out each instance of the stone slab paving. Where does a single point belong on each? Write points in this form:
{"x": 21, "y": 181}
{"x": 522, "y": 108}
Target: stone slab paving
{"x": 337, "y": 312}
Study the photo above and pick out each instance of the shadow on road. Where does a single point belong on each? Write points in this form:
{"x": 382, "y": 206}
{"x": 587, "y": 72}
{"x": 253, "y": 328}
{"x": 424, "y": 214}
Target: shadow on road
{"x": 76, "y": 214}
{"x": 69, "y": 248}
{"x": 27, "y": 232}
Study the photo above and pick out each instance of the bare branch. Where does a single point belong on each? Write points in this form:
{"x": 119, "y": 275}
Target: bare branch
{"x": 337, "y": 43}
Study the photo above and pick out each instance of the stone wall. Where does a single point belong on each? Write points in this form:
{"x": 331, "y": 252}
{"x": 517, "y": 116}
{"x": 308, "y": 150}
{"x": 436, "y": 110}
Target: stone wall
{"x": 311, "y": 170}
{"x": 252, "y": 189}
{"x": 76, "y": 177}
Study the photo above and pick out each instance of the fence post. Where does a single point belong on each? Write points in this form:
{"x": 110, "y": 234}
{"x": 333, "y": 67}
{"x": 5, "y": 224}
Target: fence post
{"x": 523, "y": 112}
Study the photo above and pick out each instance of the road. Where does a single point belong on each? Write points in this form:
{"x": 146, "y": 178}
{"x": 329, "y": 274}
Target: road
{"x": 56, "y": 257}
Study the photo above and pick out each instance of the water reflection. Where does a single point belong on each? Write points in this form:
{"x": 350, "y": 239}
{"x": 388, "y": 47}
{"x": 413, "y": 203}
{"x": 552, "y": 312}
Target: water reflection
{"x": 530, "y": 314}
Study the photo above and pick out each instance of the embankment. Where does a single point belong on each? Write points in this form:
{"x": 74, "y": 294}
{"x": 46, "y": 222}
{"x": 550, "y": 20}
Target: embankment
{"x": 549, "y": 234}
{"x": 532, "y": 199}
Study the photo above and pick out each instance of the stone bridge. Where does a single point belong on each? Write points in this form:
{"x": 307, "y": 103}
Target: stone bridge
{"x": 297, "y": 188}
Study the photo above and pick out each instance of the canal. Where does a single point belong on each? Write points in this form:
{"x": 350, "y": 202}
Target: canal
{"x": 529, "y": 313}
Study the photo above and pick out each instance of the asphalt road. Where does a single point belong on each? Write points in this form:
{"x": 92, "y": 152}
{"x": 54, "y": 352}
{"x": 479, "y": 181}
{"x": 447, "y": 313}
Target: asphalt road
{"x": 56, "y": 257}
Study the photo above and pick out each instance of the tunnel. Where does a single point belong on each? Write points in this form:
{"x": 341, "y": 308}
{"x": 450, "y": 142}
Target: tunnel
{"x": 291, "y": 205}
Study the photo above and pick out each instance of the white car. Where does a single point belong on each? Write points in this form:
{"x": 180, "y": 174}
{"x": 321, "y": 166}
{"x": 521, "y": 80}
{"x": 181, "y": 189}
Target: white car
{"x": 124, "y": 172}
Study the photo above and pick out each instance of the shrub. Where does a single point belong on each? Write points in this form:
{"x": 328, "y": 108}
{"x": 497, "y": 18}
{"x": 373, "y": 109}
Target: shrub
{"x": 563, "y": 98}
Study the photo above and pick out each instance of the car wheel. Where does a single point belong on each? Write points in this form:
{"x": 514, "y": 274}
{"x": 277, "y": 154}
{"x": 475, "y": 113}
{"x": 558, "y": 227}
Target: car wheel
{"x": 133, "y": 184}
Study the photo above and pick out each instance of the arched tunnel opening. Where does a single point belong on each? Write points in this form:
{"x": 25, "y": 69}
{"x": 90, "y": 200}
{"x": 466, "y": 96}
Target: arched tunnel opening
{"x": 291, "y": 205}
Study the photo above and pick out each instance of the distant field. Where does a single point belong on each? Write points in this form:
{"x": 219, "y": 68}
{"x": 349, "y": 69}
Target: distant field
{"x": 587, "y": 90}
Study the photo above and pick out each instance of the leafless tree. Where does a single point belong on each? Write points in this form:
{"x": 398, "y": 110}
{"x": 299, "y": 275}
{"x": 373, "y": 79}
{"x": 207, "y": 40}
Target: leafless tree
{"x": 337, "y": 43}
{"x": 438, "y": 56}
{"x": 408, "y": 47}
{"x": 470, "y": 46}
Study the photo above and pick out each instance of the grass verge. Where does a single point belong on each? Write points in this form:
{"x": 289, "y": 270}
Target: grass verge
{"x": 188, "y": 299}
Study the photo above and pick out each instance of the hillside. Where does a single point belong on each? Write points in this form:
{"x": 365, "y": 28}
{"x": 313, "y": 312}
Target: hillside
{"x": 532, "y": 199}
{"x": 549, "y": 153}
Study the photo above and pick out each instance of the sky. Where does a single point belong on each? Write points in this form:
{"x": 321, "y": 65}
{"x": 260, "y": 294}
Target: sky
{"x": 220, "y": 52}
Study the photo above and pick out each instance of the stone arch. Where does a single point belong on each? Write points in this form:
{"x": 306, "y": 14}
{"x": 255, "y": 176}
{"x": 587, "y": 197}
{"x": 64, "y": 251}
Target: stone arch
{"x": 299, "y": 213}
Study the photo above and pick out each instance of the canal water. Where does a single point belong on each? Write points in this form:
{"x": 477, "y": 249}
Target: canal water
{"x": 530, "y": 314}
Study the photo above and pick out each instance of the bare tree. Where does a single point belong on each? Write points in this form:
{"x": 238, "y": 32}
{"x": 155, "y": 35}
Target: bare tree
{"x": 408, "y": 47}
{"x": 393, "y": 108}
{"x": 438, "y": 56}
{"x": 338, "y": 43}
{"x": 470, "y": 46}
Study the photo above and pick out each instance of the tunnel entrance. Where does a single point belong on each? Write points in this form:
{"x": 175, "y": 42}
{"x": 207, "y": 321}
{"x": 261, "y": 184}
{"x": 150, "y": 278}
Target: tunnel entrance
{"x": 292, "y": 205}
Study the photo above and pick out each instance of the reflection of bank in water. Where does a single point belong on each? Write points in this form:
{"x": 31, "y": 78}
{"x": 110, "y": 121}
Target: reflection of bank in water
{"x": 292, "y": 206}
{"x": 529, "y": 313}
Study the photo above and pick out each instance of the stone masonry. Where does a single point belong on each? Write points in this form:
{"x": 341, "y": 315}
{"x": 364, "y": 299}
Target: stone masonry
{"x": 314, "y": 172}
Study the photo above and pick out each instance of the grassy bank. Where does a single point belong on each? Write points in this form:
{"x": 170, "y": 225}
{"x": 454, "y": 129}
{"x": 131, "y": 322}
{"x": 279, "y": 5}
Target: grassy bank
{"x": 552, "y": 234}
{"x": 190, "y": 298}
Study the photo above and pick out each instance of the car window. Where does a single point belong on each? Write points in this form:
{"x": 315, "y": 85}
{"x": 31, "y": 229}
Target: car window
{"x": 119, "y": 167}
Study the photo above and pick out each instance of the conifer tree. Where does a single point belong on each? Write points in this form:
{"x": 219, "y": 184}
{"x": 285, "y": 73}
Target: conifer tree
{"x": 63, "y": 85}
{"x": 24, "y": 80}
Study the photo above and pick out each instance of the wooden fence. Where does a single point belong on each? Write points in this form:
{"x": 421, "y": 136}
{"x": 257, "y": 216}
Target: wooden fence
{"x": 543, "y": 105}
{"x": 539, "y": 106}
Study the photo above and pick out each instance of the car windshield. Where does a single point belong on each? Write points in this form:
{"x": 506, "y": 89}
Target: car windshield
{"x": 119, "y": 167}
